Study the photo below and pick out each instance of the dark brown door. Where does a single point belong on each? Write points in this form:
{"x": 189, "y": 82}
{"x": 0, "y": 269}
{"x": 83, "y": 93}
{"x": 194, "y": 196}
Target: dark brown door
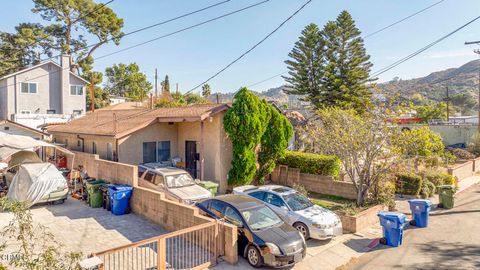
{"x": 190, "y": 158}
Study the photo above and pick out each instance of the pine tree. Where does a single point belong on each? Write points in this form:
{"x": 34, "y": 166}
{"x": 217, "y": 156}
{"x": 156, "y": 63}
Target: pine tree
{"x": 206, "y": 91}
{"x": 166, "y": 86}
{"x": 306, "y": 65}
{"x": 347, "y": 65}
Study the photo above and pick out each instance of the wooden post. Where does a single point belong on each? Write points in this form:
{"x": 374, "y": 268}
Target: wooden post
{"x": 161, "y": 254}
{"x": 202, "y": 148}
{"x": 92, "y": 89}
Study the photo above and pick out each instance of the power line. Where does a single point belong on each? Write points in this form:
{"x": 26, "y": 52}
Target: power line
{"x": 172, "y": 33}
{"x": 183, "y": 29}
{"x": 402, "y": 20}
{"x": 395, "y": 64}
{"x": 267, "y": 79}
{"x": 252, "y": 48}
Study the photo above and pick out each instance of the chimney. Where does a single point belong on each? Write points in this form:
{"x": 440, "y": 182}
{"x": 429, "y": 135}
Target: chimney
{"x": 65, "y": 61}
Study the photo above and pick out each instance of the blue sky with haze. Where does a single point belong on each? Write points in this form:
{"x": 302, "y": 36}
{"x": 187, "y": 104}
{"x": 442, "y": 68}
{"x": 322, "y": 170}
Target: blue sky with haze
{"x": 192, "y": 56}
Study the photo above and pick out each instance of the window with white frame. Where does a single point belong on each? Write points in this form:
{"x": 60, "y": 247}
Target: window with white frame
{"x": 29, "y": 88}
{"x": 76, "y": 90}
{"x": 156, "y": 151}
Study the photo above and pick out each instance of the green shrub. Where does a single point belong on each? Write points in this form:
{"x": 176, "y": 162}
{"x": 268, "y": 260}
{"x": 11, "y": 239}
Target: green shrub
{"x": 312, "y": 163}
{"x": 461, "y": 153}
{"x": 438, "y": 178}
{"x": 408, "y": 183}
{"x": 428, "y": 189}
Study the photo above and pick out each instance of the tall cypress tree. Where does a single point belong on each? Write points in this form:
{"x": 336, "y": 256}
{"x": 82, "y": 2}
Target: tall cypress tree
{"x": 306, "y": 65}
{"x": 347, "y": 65}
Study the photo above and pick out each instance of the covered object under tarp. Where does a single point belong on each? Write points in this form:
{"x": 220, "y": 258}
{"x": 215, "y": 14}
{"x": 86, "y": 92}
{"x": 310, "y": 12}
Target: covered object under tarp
{"x": 34, "y": 181}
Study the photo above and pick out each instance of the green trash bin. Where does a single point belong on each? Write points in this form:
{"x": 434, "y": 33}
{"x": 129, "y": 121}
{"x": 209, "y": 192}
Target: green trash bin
{"x": 445, "y": 194}
{"x": 95, "y": 195}
{"x": 210, "y": 186}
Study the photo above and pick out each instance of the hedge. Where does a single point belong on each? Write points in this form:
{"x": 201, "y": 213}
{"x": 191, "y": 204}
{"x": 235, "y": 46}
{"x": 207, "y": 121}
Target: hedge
{"x": 312, "y": 163}
{"x": 438, "y": 178}
{"x": 409, "y": 184}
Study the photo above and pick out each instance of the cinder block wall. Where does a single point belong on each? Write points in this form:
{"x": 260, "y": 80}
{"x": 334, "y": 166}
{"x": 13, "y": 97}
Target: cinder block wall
{"x": 283, "y": 175}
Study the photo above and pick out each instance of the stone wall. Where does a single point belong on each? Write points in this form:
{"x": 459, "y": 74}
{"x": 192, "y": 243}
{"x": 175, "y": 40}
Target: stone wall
{"x": 462, "y": 171}
{"x": 362, "y": 220}
{"x": 114, "y": 172}
{"x": 284, "y": 175}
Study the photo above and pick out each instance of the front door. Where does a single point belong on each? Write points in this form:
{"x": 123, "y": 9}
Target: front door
{"x": 190, "y": 158}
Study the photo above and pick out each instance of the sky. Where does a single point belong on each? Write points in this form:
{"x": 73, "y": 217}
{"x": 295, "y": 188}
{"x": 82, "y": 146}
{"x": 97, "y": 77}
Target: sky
{"x": 190, "y": 57}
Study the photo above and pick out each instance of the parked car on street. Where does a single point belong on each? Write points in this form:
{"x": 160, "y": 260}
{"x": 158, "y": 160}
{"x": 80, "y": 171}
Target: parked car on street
{"x": 176, "y": 183}
{"x": 297, "y": 210}
{"x": 263, "y": 237}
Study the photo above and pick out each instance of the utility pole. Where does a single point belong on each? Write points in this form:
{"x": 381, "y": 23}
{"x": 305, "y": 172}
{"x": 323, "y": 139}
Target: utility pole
{"x": 156, "y": 87}
{"x": 92, "y": 93}
{"x": 477, "y": 51}
{"x": 448, "y": 109}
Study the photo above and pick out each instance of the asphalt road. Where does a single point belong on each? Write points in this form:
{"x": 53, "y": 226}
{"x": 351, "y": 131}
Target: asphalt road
{"x": 452, "y": 240}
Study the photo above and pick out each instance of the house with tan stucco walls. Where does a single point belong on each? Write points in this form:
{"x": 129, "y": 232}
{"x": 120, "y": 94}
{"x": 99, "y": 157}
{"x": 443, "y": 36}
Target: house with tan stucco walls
{"x": 43, "y": 93}
{"x": 192, "y": 134}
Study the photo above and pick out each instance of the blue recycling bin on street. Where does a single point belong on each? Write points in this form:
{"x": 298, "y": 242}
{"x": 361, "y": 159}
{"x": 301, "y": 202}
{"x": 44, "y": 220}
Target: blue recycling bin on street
{"x": 393, "y": 224}
{"x": 420, "y": 212}
{"x": 119, "y": 198}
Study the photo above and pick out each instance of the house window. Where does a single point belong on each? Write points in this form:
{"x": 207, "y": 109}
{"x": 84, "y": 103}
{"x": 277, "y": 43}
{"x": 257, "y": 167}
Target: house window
{"x": 76, "y": 90}
{"x": 149, "y": 152}
{"x": 94, "y": 147}
{"x": 109, "y": 151}
{"x": 79, "y": 143}
{"x": 25, "y": 112}
{"x": 66, "y": 142}
{"x": 51, "y": 111}
{"x": 29, "y": 88}
{"x": 163, "y": 151}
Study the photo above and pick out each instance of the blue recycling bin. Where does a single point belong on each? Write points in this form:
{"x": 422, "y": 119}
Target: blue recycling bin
{"x": 393, "y": 224}
{"x": 420, "y": 212}
{"x": 119, "y": 198}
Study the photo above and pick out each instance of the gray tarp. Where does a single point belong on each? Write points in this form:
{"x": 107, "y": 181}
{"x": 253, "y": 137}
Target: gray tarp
{"x": 34, "y": 181}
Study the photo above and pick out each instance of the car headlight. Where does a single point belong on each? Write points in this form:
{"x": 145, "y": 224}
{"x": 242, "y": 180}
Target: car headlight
{"x": 321, "y": 226}
{"x": 273, "y": 249}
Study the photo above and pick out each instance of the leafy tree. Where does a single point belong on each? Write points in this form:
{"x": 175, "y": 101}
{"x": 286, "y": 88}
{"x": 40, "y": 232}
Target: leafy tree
{"x": 195, "y": 99}
{"x": 418, "y": 144}
{"x": 24, "y": 47}
{"x": 362, "y": 142}
{"x": 463, "y": 102}
{"x": 245, "y": 124}
{"x": 73, "y": 19}
{"x": 37, "y": 247}
{"x": 127, "y": 81}
{"x": 432, "y": 111}
{"x": 274, "y": 142}
{"x": 331, "y": 67}
{"x": 206, "y": 91}
{"x": 306, "y": 66}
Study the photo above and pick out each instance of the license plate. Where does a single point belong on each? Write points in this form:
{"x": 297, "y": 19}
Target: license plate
{"x": 297, "y": 257}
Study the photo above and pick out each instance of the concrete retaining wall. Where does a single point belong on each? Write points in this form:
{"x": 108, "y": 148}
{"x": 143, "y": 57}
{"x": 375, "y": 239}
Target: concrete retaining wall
{"x": 362, "y": 220}
{"x": 284, "y": 175}
{"x": 462, "y": 171}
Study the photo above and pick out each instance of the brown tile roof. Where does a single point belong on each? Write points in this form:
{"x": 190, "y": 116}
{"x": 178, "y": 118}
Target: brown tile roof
{"x": 129, "y": 105}
{"x": 102, "y": 122}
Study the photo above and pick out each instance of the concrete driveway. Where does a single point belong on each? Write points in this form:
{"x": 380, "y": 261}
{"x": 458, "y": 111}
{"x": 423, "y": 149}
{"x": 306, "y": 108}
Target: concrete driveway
{"x": 452, "y": 240}
{"x": 81, "y": 228}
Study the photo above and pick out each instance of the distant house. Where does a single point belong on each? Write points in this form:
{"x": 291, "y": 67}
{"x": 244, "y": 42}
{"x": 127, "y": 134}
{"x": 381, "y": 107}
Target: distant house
{"x": 192, "y": 134}
{"x": 8, "y": 127}
{"x": 118, "y": 99}
{"x": 44, "y": 93}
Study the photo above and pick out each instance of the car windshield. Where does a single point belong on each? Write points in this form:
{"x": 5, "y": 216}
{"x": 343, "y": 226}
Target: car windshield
{"x": 179, "y": 180}
{"x": 297, "y": 201}
{"x": 261, "y": 218}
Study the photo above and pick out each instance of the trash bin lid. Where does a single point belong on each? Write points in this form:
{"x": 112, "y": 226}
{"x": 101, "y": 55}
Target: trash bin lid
{"x": 394, "y": 216}
{"x": 208, "y": 184}
{"x": 120, "y": 187}
{"x": 420, "y": 202}
{"x": 447, "y": 187}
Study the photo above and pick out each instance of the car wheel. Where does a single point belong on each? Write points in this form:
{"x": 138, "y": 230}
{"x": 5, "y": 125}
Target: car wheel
{"x": 303, "y": 229}
{"x": 253, "y": 257}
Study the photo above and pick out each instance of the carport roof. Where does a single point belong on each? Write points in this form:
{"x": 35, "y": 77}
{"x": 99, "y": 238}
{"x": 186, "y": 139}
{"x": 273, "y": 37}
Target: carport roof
{"x": 120, "y": 123}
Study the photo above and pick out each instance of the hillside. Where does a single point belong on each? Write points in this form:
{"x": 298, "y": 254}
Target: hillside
{"x": 461, "y": 80}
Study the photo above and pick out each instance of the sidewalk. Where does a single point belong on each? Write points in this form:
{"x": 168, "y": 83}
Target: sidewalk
{"x": 404, "y": 207}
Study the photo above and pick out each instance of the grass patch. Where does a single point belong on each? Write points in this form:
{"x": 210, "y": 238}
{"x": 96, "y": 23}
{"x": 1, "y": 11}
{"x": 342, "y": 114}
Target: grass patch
{"x": 337, "y": 204}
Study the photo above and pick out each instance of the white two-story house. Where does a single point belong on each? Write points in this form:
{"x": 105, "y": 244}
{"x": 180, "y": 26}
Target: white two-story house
{"x": 42, "y": 94}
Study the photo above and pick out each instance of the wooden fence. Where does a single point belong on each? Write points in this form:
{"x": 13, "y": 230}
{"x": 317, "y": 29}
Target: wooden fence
{"x": 197, "y": 247}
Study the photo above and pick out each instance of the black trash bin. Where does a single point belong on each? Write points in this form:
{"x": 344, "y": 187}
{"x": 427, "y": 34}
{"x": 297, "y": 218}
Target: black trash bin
{"x": 106, "y": 197}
